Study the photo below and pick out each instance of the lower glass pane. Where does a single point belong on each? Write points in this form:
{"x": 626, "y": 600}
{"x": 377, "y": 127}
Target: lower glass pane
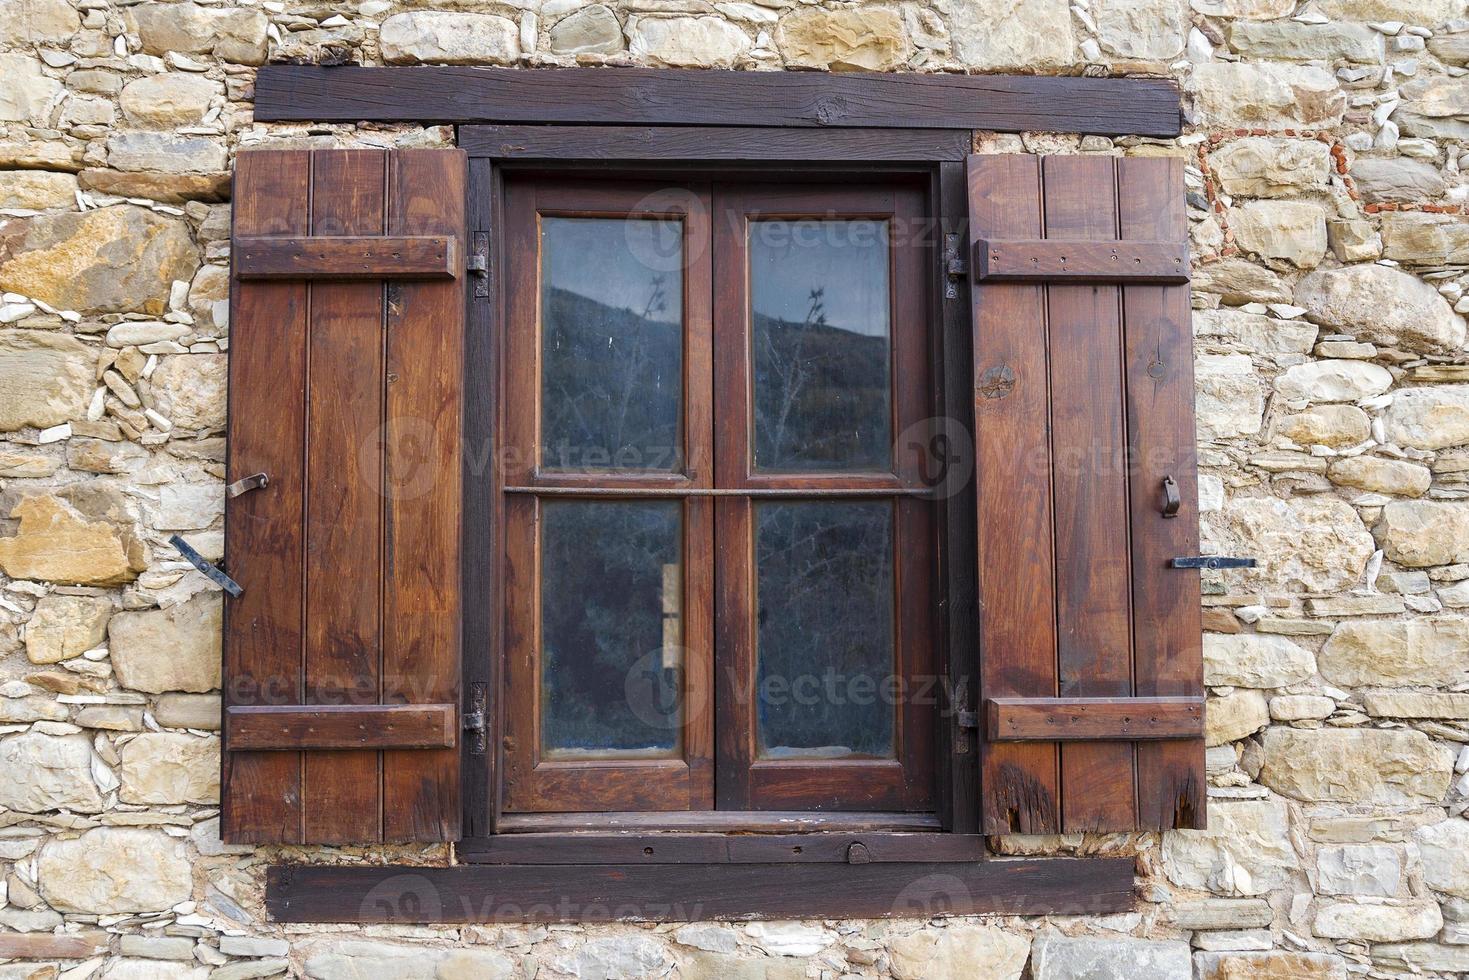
{"x": 611, "y": 629}
{"x": 825, "y": 633}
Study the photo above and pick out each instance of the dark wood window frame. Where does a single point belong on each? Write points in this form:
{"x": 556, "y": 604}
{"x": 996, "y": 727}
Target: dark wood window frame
{"x": 633, "y": 121}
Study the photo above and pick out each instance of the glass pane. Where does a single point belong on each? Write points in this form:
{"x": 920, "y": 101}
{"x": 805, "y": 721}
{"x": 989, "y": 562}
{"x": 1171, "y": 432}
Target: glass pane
{"x": 824, "y": 581}
{"x": 611, "y": 343}
{"x": 611, "y": 628}
{"x": 820, "y": 330}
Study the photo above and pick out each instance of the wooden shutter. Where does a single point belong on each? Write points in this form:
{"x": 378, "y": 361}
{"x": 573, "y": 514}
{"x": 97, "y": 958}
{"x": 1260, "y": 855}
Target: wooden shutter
{"x": 342, "y": 659}
{"x": 1091, "y": 674}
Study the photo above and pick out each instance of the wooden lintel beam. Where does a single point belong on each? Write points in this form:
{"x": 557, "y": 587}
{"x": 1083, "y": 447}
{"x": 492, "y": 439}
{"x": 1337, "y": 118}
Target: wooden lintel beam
{"x": 672, "y": 97}
{"x": 1093, "y": 719}
{"x": 326, "y": 257}
{"x": 1080, "y": 261}
{"x": 258, "y": 728}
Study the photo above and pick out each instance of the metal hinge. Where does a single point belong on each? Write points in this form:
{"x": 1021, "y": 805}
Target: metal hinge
{"x": 209, "y": 570}
{"x": 474, "y": 720}
{"x": 479, "y": 262}
{"x": 956, "y": 265}
{"x": 968, "y": 719}
{"x": 1211, "y": 561}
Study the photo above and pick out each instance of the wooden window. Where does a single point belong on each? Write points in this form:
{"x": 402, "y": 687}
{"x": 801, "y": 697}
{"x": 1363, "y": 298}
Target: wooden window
{"x": 719, "y": 556}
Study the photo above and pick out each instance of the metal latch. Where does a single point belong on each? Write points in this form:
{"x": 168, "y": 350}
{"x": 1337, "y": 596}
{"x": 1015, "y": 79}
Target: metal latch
{"x": 956, "y": 265}
{"x": 1171, "y": 500}
{"x": 968, "y": 719}
{"x": 255, "y": 481}
{"x": 474, "y": 719}
{"x": 214, "y": 574}
{"x": 478, "y": 262}
{"x": 1212, "y": 561}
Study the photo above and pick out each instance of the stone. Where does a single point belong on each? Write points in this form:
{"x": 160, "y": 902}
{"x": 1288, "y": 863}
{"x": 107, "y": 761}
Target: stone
{"x": 57, "y": 543}
{"x": 1247, "y": 834}
{"x": 1335, "y": 426}
{"x": 47, "y": 772}
{"x": 686, "y": 42}
{"x": 789, "y": 938}
{"x": 1265, "y": 96}
{"x": 1228, "y": 399}
{"x": 45, "y": 378}
{"x": 1382, "y": 179}
{"x": 169, "y": 767}
{"x": 1248, "y": 9}
{"x": 115, "y": 869}
{"x": 1259, "y": 166}
{"x": 1381, "y": 305}
{"x": 166, "y": 153}
{"x": 174, "y": 649}
{"x": 133, "y": 333}
{"x": 157, "y": 947}
{"x": 727, "y": 966}
{"x": 1383, "y": 767}
{"x": 1420, "y": 533}
{"x": 996, "y": 35}
{"x": 1255, "y": 332}
{"x": 197, "y": 711}
{"x": 1425, "y": 239}
{"x": 1291, "y": 41}
{"x": 66, "y": 626}
{"x": 1381, "y": 475}
{"x": 1235, "y": 716}
{"x": 101, "y": 456}
{"x": 1403, "y": 704}
{"x": 120, "y": 259}
{"x": 848, "y": 39}
{"x": 1418, "y": 958}
{"x": 1358, "y": 869}
{"x": 1281, "y": 232}
{"x": 39, "y": 21}
{"x": 72, "y": 946}
{"x": 1064, "y": 958}
{"x": 1311, "y": 544}
{"x": 169, "y": 100}
{"x": 590, "y": 30}
{"x": 1428, "y": 13}
{"x": 1444, "y": 848}
{"x": 956, "y": 952}
{"x": 1239, "y": 281}
{"x": 1272, "y": 965}
{"x": 37, "y": 190}
{"x": 449, "y": 38}
{"x": 1353, "y": 240}
{"x": 161, "y": 187}
{"x": 20, "y": 464}
{"x": 1220, "y": 913}
{"x": 1429, "y": 418}
{"x": 110, "y": 717}
{"x": 1144, "y": 30}
{"x": 253, "y": 946}
{"x": 29, "y": 95}
{"x": 1333, "y": 381}
{"x": 209, "y": 298}
{"x": 231, "y": 33}
{"x": 1301, "y": 707}
{"x": 152, "y": 970}
{"x": 190, "y": 390}
{"x": 1378, "y": 922}
{"x": 1387, "y": 653}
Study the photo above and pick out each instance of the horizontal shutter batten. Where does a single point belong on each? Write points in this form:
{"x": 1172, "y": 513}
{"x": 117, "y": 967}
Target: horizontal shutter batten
{"x": 1093, "y": 719}
{"x": 347, "y": 257}
{"x": 340, "y": 726}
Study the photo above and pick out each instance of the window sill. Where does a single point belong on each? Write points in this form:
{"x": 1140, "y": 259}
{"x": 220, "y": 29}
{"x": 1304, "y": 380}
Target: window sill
{"x": 689, "y": 892}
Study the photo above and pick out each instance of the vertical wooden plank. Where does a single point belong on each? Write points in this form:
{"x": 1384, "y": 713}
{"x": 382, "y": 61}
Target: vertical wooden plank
{"x": 1089, "y": 489}
{"x": 263, "y": 530}
{"x": 1017, "y": 628}
{"x": 341, "y": 791}
{"x": 423, "y": 444}
{"x": 1161, "y": 440}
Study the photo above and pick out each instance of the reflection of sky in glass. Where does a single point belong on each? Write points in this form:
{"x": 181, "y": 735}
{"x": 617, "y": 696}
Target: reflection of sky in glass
{"x": 615, "y": 262}
{"x": 848, "y": 259}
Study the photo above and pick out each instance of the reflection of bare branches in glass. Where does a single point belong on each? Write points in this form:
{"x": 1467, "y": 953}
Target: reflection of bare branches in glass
{"x": 637, "y": 357}
{"x": 790, "y": 372}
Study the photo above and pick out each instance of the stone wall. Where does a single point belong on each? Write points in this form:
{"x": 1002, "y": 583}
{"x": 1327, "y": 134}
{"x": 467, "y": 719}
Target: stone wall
{"x": 1332, "y": 256}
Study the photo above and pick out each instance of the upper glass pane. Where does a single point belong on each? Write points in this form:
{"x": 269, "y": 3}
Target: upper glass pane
{"x": 821, "y": 335}
{"x": 611, "y": 628}
{"x": 611, "y": 344}
{"x": 825, "y": 634}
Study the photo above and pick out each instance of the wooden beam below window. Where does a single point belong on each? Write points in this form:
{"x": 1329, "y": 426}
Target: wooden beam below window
{"x": 672, "y": 97}
{"x": 696, "y": 892}
{"x": 1094, "y": 719}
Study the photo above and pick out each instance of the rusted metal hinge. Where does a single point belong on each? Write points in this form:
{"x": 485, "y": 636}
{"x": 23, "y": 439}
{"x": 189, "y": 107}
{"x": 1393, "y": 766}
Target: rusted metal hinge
{"x": 956, "y": 265}
{"x": 1211, "y": 561}
{"x": 210, "y": 571}
{"x": 474, "y": 720}
{"x": 479, "y": 262}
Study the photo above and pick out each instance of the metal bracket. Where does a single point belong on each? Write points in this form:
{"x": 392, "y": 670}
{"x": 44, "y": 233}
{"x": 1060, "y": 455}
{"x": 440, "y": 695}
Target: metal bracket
{"x": 255, "y": 481}
{"x": 1171, "y": 500}
{"x": 956, "y": 266}
{"x": 475, "y": 725}
{"x": 1212, "y": 561}
{"x": 478, "y": 262}
{"x": 968, "y": 719}
{"x": 214, "y": 574}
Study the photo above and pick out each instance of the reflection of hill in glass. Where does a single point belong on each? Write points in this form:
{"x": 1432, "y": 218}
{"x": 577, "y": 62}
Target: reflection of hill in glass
{"x": 821, "y": 397}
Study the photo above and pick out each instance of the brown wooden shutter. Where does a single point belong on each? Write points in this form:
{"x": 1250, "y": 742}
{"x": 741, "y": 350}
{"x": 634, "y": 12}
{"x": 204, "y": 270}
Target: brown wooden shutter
{"x": 342, "y": 658}
{"x": 1092, "y": 673}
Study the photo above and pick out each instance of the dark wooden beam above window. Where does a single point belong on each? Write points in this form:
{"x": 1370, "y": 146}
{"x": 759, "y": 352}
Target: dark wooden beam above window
{"x": 669, "y": 97}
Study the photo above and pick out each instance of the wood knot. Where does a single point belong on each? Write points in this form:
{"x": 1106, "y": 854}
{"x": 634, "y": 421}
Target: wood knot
{"x": 996, "y": 382}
